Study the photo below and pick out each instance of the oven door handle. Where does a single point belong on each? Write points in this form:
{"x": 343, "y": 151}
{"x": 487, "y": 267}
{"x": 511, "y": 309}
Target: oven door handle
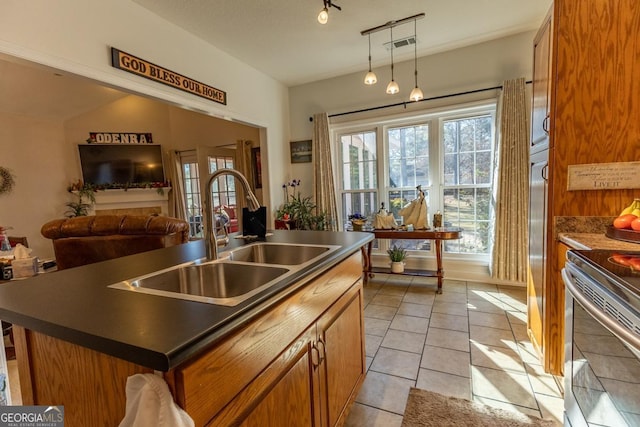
{"x": 606, "y": 321}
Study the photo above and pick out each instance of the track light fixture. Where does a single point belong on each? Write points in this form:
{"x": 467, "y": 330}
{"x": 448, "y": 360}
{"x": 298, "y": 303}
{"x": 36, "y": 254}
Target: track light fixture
{"x": 392, "y": 87}
{"x": 323, "y": 16}
{"x": 370, "y": 78}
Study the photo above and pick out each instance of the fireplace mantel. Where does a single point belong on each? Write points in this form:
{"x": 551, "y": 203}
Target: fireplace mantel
{"x": 132, "y": 201}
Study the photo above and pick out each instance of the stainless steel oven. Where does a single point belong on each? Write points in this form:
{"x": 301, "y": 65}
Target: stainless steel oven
{"x": 602, "y": 345}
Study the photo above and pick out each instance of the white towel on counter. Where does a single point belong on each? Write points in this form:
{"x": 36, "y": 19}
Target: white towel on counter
{"x": 150, "y": 404}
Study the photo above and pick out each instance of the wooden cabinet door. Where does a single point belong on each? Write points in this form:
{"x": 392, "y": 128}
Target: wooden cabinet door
{"x": 292, "y": 400}
{"x": 541, "y": 87}
{"x": 538, "y": 204}
{"x": 342, "y": 350}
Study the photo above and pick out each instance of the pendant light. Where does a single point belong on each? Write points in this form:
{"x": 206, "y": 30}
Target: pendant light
{"x": 416, "y": 93}
{"x": 370, "y": 78}
{"x": 323, "y": 16}
{"x": 392, "y": 87}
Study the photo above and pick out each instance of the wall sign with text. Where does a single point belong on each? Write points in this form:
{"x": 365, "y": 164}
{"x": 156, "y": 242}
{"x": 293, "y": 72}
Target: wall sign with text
{"x": 141, "y": 67}
{"x": 604, "y": 176}
{"x": 119, "y": 138}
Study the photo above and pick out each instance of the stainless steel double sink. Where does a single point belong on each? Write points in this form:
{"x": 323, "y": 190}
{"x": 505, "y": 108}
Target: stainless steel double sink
{"x": 238, "y": 275}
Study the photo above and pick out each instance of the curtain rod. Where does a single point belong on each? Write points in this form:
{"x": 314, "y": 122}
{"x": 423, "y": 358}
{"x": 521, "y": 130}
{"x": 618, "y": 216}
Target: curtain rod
{"x": 469, "y": 92}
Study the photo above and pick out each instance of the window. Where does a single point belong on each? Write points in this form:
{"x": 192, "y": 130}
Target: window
{"x": 468, "y": 169}
{"x": 449, "y": 154}
{"x": 359, "y": 173}
{"x": 223, "y": 191}
{"x": 191, "y": 183}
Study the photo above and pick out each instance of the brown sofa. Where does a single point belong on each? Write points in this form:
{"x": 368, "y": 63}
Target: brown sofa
{"x": 88, "y": 239}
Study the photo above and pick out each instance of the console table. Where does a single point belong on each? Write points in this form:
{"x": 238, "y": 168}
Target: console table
{"x": 437, "y": 235}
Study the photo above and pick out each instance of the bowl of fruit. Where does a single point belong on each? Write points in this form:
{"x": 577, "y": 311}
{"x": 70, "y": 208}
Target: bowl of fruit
{"x": 627, "y": 225}
{"x": 628, "y": 260}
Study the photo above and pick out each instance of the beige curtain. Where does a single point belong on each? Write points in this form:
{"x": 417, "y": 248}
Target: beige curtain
{"x": 243, "y": 165}
{"x": 510, "y": 248}
{"x": 177, "y": 200}
{"x": 243, "y": 160}
{"x": 324, "y": 192}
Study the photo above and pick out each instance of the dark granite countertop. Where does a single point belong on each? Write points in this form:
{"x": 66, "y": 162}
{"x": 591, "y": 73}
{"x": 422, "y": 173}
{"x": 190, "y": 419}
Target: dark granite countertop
{"x": 158, "y": 332}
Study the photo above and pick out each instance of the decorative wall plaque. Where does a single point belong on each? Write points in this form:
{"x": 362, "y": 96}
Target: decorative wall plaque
{"x": 133, "y": 64}
{"x": 604, "y": 176}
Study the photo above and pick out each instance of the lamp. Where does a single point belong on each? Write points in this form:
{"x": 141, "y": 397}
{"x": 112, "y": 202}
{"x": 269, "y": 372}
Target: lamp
{"x": 323, "y": 16}
{"x": 392, "y": 87}
{"x": 370, "y": 78}
{"x": 416, "y": 93}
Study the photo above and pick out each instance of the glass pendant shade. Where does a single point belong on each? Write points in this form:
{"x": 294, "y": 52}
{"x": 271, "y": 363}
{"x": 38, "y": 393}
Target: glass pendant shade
{"x": 416, "y": 94}
{"x": 370, "y": 78}
{"x": 392, "y": 87}
{"x": 323, "y": 16}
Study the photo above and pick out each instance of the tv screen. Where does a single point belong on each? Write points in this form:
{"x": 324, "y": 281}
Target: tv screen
{"x": 121, "y": 164}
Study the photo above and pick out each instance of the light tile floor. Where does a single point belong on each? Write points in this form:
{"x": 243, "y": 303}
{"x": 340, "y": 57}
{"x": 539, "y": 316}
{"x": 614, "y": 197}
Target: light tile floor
{"x": 470, "y": 342}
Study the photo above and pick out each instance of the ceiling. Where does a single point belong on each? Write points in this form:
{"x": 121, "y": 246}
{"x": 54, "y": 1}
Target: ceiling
{"x": 37, "y": 91}
{"x": 283, "y": 38}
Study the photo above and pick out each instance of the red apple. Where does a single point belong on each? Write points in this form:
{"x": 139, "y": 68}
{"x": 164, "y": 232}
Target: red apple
{"x": 635, "y": 224}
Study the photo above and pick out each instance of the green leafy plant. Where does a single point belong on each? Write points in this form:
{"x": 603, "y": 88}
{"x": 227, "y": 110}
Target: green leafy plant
{"x": 84, "y": 198}
{"x": 397, "y": 254}
{"x": 301, "y": 211}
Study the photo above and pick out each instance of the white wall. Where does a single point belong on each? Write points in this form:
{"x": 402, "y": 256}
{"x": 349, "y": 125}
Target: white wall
{"x": 475, "y": 67}
{"x": 37, "y": 153}
{"x": 75, "y": 36}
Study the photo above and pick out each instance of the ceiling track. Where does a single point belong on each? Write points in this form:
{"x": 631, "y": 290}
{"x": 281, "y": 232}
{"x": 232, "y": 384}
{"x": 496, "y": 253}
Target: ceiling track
{"x": 392, "y": 24}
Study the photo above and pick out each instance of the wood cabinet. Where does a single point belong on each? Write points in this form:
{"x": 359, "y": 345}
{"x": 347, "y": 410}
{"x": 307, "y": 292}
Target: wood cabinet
{"x": 299, "y": 362}
{"x": 594, "y": 105}
{"x": 541, "y": 82}
{"x": 311, "y": 342}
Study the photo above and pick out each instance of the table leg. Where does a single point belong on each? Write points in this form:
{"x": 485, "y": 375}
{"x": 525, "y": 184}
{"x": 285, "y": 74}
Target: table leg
{"x": 439, "y": 272}
{"x": 366, "y": 261}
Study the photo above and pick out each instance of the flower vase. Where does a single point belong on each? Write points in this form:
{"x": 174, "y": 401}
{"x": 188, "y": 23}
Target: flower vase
{"x": 397, "y": 267}
{"x": 357, "y": 225}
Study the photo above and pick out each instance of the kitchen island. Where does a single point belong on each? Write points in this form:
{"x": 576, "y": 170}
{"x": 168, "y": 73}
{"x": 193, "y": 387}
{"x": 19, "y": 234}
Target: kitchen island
{"x": 294, "y": 350}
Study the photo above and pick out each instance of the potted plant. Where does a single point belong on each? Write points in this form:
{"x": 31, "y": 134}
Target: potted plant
{"x": 299, "y": 212}
{"x": 397, "y": 256}
{"x": 357, "y": 221}
{"x": 84, "y": 199}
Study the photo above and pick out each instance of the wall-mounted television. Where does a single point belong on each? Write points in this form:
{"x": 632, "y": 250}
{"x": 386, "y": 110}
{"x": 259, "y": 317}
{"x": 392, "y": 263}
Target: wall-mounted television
{"x": 104, "y": 164}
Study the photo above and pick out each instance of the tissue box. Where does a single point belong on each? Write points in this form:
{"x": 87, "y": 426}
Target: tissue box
{"x": 25, "y": 267}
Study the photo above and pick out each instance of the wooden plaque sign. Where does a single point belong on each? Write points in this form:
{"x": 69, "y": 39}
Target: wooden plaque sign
{"x": 140, "y": 67}
{"x": 604, "y": 176}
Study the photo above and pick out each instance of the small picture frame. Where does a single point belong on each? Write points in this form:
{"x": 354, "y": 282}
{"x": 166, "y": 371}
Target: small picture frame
{"x": 256, "y": 163}
{"x": 301, "y": 151}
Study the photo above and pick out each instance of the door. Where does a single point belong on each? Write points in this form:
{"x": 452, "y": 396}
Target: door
{"x": 292, "y": 399}
{"x": 538, "y": 197}
{"x": 541, "y": 87}
{"x": 223, "y": 190}
{"x": 342, "y": 350}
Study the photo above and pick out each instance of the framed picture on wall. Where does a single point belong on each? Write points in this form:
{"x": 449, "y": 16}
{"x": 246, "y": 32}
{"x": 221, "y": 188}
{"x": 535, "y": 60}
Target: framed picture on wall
{"x": 301, "y": 151}
{"x": 256, "y": 163}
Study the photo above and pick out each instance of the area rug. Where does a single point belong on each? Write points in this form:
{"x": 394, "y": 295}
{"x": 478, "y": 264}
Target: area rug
{"x": 426, "y": 408}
